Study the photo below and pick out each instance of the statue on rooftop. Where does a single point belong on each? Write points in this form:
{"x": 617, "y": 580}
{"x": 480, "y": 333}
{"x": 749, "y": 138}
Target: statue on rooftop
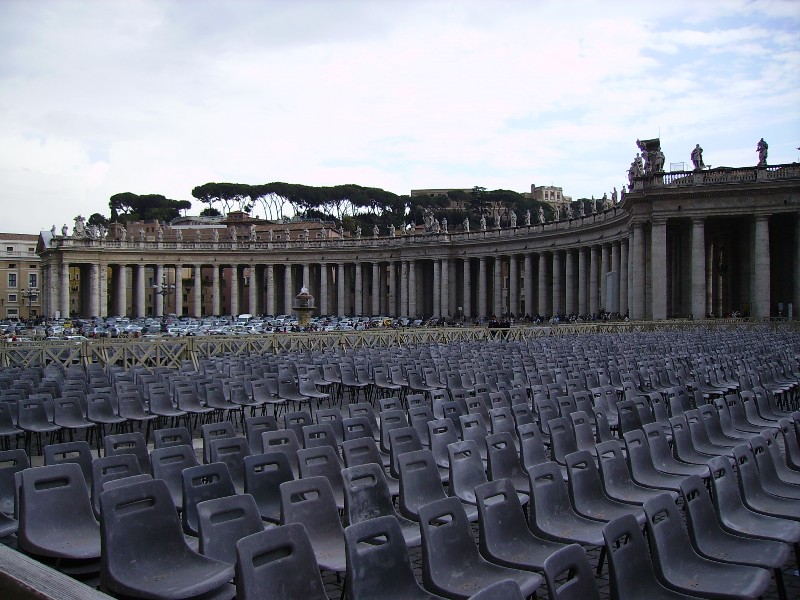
{"x": 197, "y": 234}
{"x": 541, "y": 215}
{"x": 142, "y": 235}
{"x": 436, "y": 226}
{"x": 80, "y": 227}
{"x": 697, "y": 158}
{"x": 483, "y": 222}
{"x": 466, "y": 224}
{"x": 215, "y": 235}
{"x": 762, "y": 148}
{"x": 580, "y": 209}
{"x": 232, "y": 233}
{"x": 444, "y": 224}
{"x": 64, "y": 230}
{"x": 179, "y": 235}
{"x": 358, "y": 232}
{"x": 253, "y": 234}
{"x": 527, "y": 218}
{"x": 427, "y": 220}
{"x": 375, "y": 231}
{"x": 614, "y": 196}
{"x": 513, "y": 219}
{"x": 391, "y": 230}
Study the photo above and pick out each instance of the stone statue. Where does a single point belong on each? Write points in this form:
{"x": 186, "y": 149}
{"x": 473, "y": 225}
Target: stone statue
{"x": 80, "y": 228}
{"x": 123, "y": 233}
{"x": 253, "y": 234}
{"x": 358, "y": 232}
{"x": 466, "y": 224}
{"x": 197, "y": 235}
{"x": 513, "y": 219}
{"x": 341, "y": 232}
{"x": 101, "y": 230}
{"x": 323, "y": 233}
{"x": 658, "y": 161}
{"x": 375, "y": 231}
{"x": 142, "y": 236}
{"x": 391, "y": 230}
{"x": 427, "y": 220}
{"x": 53, "y": 231}
{"x": 160, "y": 234}
{"x": 483, "y": 222}
{"x": 568, "y": 212}
{"x": 580, "y": 208}
{"x": 541, "y": 215}
{"x": 215, "y": 235}
{"x": 232, "y": 233}
{"x": 527, "y": 218}
{"x": 288, "y": 234}
{"x": 635, "y": 169}
{"x": 444, "y": 224}
{"x": 436, "y": 226}
{"x": 179, "y": 235}
{"x": 762, "y": 148}
{"x": 64, "y": 230}
{"x": 305, "y": 233}
{"x": 697, "y": 158}
{"x": 496, "y": 219}
{"x": 614, "y": 196}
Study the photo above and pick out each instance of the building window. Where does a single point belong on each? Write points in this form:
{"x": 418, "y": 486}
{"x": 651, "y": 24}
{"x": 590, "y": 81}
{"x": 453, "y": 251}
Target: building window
{"x": 9, "y": 248}
{"x": 12, "y": 265}
{"x": 12, "y": 298}
{"x": 12, "y": 313}
{"x": 12, "y": 280}
{"x": 33, "y": 280}
{"x": 31, "y": 250}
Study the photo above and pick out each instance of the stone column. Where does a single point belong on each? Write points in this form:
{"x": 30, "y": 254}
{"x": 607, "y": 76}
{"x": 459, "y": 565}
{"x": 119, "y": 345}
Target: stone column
{"x": 252, "y": 299}
{"x": 444, "y": 277}
{"x": 638, "y": 281}
{"x": 141, "y": 282}
{"x": 709, "y": 278}
{"x": 340, "y": 289}
{"x": 102, "y": 290}
{"x": 604, "y": 268}
{"x": 404, "y": 288}
{"x": 412, "y": 288}
{"x": 216, "y": 291}
{"x": 698, "y": 258}
{"x": 623, "y": 277}
{"x": 234, "y": 270}
{"x": 497, "y": 303}
{"x": 594, "y": 284}
{"x": 796, "y": 307}
{"x": 270, "y": 285}
{"x": 288, "y": 290}
{"x": 542, "y": 308}
{"x": 615, "y": 266}
{"x": 528, "y": 284}
{"x": 569, "y": 283}
{"x": 558, "y": 307}
{"x": 513, "y": 285}
{"x": 359, "y": 291}
{"x": 658, "y": 265}
{"x": 483, "y": 292}
{"x": 323, "y": 289}
{"x": 761, "y": 264}
{"x": 467, "y": 285}
{"x": 392, "y": 300}
{"x": 65, "y": 290}
{"x": 158, "y": 280}
{"x": 437, "y": 290}
{"x": 122, "y": 290}
{"x": 197, "y": 290}
{"x": 582, "y": 303}
{"x": 376, "y": 289}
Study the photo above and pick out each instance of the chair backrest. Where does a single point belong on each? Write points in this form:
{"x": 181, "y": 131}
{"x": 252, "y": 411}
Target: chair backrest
{"x": 364, "y": 409}
{"x": 283, "y": 440}
{"x": 333, "y": 417}
{"x": 224, "y": 521}
{"x": 173, "y": 436}
{"x": 391, "y": 419}
{"x": 473, "y": 427}
{"x": 263, "y": 475}
{"x": 309, "y": 501}
{"x": 401, "y": 440}
{"x": 629, "y": 566}
{"x": 500, "y": 513}
{"x": 168, "y": 464}
{"x": 569, "y": 575}
{"x": 254, "y": 427}
{"x": 418, "y": 417}
{"x": 377, "y": 560}
{"x": 531, "y": 445}
{"x": 11, "y": 462}
{"x": 296, "y": 420}
{"x": 360, "y": 451}
{"x": 321, "y": 461}
{"x": 280, "y": 560}
{"x": 128, "y": 443}
{"x": 231, "y": 451}
{"x": 419, "y": 482}
{"x": 211, "y": 431}
{"x": 78, "y": 452}
{"x": 109, "y": 468}
{"x": 563, "y": 439}
{"x": 466, "y": 470}
{"x": 442, "y": 432}
{"x": 665, "y": 530}
{"x": 503, "y": 459}
{"x": 203, "y": 482}
{"x": 366, "y": 493}
{"x": 320, "y": 434}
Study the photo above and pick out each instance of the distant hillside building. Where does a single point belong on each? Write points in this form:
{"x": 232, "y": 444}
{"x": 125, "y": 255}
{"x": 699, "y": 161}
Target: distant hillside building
{"x": 554, "y": 196}
{"x": 20, "y": 279}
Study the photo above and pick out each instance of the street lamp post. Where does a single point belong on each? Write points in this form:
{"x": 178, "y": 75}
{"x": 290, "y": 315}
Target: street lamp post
{"x": 163, "y": 290}
{"x": 30, "y": 294}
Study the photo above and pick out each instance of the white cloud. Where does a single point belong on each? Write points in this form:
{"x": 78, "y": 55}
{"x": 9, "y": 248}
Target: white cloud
{"x": 158, "y": 97}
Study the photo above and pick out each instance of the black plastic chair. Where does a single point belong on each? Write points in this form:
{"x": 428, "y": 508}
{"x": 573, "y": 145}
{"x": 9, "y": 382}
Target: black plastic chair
{"x": 782, "y": 469}
{"x": 713, "y": 542}
{"x": 283, "y": 440}
{"x": 473, "y": 428}
{"x": 364, "y": 450}
{"x": 78, "y": 452}
{"x": 504, "y": 462}
{"x": 320, "y": 434}
{"x": 310, "y": 502}
{"x": 100, "y": 411}
{"x": 767, "y": 472}
{"x": 323, "y": 462}
{"x": 279, "y": 560}
{"x": 33, "y": 420}
{"x": 532, "y": 449}
{"x": 55, "y": 515}
{"x": 451, "y": 563}
{"x": 68, "y": 414}
{"x": 132, "y": 409}
{"x": 569, "y": 575}
{"x": 211, "y": 431}
{"x": 8, "y": 430}
{"x": 713, "y": 424}
{"x": 223, "y": 522}
{"x": 586, "y": 491}
{"x": 552, "y": 516}
{"x": 505, "y": 538}
{"x": 263, "y": 475}
{"x": 663, "y": 460}
{"x": 753, "y": 492}
{"x": 366, "y": 496}
{"x": 401, "y": 440}
{"x": 333, "y": 417}
{"x": 109, "y": 468}
{"x": 174, "y": 436}
{"x": 364, "y": 409}
{"x": 203, "y": 482}
{"x": 420, "y": 484}
{"x": 679, "y": 567}
{"x": 378, "y": 565}
{"x": 466, "y": 470}
{"x": 442, "y": 433}
{"x": 145, "y": 553}
{"x": 617, "y": 481}
{"x": 231, "y": 451}
{"x": 167, "y": 464}
{"x": 254, "y": 427}
{"x": 630, "y": 569}
{"x": 642, "y": 469}
{"x": 128, "y": 443}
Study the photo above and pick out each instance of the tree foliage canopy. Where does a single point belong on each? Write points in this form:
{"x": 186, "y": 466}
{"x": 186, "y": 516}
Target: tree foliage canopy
{"x": 134, "y": 207}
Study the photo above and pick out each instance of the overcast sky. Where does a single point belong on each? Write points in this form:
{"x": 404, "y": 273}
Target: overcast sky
{"x": 101, "y": 97}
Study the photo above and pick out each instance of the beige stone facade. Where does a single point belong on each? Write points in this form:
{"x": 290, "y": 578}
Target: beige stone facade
{"x": 694, "y": 243}
{"x": 20, "y": 276}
